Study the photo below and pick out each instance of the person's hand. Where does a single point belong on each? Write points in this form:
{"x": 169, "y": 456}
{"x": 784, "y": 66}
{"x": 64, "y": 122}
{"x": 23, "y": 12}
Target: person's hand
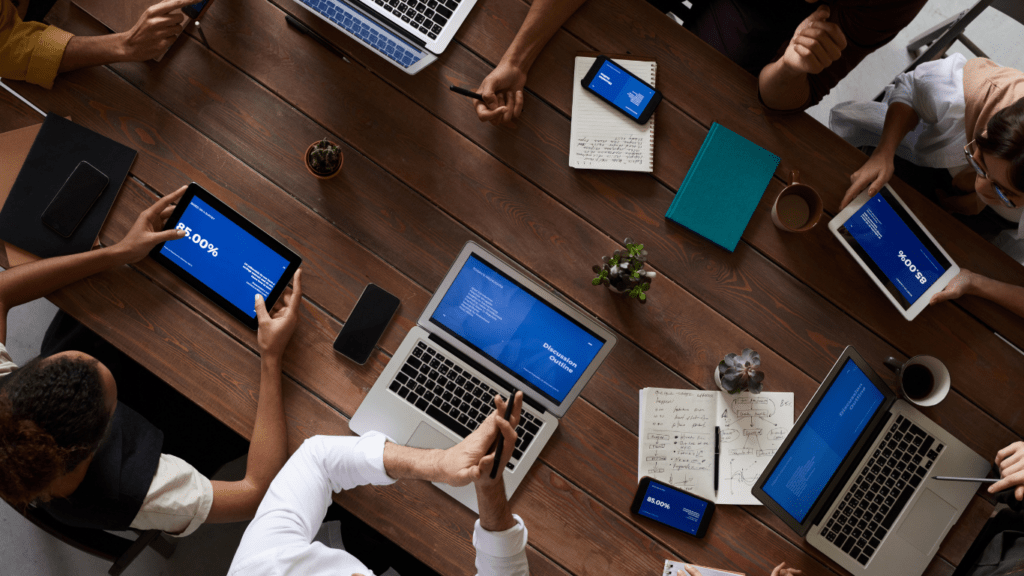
{"x": 154, "y": 32}
{"x": 781, "y": 570}
{"x": 276, "y": 327}
{"x": 815, "y": 44}
{"x": 502, "y": 90}
{"x": 872, "y": 175}
{"x": 690, "y": 571}
{"x": 957, "y": 287}
{"x": 148, "y": 229}
{"x": 1011, "y": 467}
{"x": 470, "y": 460}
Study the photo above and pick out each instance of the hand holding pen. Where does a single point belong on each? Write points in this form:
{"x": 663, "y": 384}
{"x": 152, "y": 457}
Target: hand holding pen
{"x": 500, "y": 451}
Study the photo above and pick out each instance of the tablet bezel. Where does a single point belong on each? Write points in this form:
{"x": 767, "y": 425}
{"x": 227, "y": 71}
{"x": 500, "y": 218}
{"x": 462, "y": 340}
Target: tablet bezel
{"x": 921, "y": 303}
{"x": 196, "y": 191}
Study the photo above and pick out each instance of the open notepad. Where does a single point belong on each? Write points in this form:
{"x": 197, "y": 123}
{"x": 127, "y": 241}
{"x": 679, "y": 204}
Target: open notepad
{"x": 602, "y": 138}
{"x": 678, "y": 430}
{"x": 672, "y": 569}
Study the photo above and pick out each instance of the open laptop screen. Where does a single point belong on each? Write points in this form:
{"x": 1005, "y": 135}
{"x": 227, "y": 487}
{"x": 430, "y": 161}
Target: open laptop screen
{"x": 501, "y": 319}
{"x": 822, "y": 444}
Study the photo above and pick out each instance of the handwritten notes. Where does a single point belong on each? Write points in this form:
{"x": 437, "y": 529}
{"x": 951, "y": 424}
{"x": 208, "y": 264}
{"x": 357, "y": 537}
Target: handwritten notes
{"x": 677, "y": 439}
{"x": 601, "y": 138}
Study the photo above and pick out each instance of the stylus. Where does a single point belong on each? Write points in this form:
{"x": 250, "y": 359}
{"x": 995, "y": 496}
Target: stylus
{"x": 501, "y": 439}
{"x": 958, "y": 479}
{"x": 464, "y": 92}
{"x": 294, "y": 23}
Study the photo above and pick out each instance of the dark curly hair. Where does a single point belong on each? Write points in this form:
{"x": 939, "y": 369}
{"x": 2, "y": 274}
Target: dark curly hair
{"x": 1006, "y": 140}
{"x": 52, "y": 417}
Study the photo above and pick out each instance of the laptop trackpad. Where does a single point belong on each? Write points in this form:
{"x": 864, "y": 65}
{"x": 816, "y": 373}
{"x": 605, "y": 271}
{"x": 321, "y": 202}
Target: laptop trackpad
{"x": 926, "y": 522}
{"x": 426, "y": 436}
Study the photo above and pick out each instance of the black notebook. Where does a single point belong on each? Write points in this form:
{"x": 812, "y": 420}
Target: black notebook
{"x": 56, "y": 152}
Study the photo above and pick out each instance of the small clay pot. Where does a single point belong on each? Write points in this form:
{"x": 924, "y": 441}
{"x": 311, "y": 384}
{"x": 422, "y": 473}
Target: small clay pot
{"x": 305, "y": 159}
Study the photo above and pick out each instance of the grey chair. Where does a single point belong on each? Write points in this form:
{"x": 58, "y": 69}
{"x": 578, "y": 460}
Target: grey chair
{"x": 941, "y": 36}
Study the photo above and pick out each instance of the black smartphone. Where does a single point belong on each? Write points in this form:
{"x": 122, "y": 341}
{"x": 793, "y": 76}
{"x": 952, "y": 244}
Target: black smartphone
{"x": 620, "y": 88}
{"x": 74, "y": 199}
{"x": 194, "y": 10}
{"x": 673, "y": 507}
{"x": 366, "y": 323}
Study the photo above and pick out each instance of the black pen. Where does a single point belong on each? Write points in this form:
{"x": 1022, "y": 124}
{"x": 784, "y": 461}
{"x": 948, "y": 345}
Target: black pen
{"x": 959, "y": 479}
{"x": 501, "y": 439}
{"x": 718, "y": 447}
{"x": 465, "y": 92}
{"x": 295, "y": 23}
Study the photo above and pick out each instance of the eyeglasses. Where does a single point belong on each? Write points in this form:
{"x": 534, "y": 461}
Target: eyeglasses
{"x": 981, "y": 172}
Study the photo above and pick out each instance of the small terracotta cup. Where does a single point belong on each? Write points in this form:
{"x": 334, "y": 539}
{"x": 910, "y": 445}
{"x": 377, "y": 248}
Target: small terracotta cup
{"x": 798, "y": 207}
{"x": 305, "y": 160}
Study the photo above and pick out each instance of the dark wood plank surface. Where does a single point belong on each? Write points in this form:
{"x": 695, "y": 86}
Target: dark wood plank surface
{"x": 422, "y": 176}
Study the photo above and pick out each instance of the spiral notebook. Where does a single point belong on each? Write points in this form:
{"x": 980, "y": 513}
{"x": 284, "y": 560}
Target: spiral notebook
{"x": 673, "y": 568}
{"x": 601, "y": 138}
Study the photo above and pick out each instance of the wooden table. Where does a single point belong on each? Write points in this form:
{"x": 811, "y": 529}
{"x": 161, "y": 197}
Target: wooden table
{"x": 422, "y": 176}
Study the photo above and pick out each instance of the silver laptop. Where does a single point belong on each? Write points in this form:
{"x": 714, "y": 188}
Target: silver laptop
{"x": 407, "y": 33}
{"x": 489, "y": 329}
{"x": 854, "y": 475}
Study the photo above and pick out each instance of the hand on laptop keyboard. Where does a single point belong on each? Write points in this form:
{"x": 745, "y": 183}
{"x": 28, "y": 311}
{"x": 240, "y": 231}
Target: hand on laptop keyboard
{"x": 471, "y": 460}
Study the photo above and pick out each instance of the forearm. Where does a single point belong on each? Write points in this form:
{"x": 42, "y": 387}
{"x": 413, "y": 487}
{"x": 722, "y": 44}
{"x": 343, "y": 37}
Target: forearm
{"x": 542, "y": 21}
{"x": 268, "y": 449}
{"x": 495, "y": 512}
{"x": 403, "y": 462}
{"x": 783, "y": 88}
{"x": 1006, "y": 295}
{"x": 85, "y": 51}
{"x": 900, "y": 119}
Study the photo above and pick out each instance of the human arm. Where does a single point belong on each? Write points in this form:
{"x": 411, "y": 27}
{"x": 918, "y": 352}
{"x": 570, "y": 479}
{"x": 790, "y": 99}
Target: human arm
{"x": 1011, "y": 469}
{"x": 815, "y": 45}
{"x": 502, "y": 89}
{"x": 29, "y": 51}
{"x": 900, "y": 119}
{"x": 1008, "y": 296}
{"x": 779, "y": 570}
{"x": 28, "y": 282}
{"x": 268, "y": 448}
{"x": 150, "y": 37}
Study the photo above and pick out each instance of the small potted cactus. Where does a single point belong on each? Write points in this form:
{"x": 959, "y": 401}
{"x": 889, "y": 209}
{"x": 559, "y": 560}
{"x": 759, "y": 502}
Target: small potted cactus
{"x": 623, "y": 272}
{"x": 324, "y": 159}
{"x": 739, "y": 372}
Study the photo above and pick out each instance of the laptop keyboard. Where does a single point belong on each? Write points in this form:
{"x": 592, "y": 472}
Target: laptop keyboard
{"x": 440, "y": 387}
{"x": 365, "y": 30}
{"x": 428, "y": 17}
{"x": 882, "y": 490}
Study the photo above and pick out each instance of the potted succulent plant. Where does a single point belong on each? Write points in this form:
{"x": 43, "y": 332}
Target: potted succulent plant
{"x": 623, "y": 272}
{"x": 324, "y": 159}
{"x": 739, "y": 372}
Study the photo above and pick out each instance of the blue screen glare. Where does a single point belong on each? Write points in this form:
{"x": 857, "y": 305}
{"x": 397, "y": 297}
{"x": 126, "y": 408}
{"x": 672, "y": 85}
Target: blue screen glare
{"x": 621, "y": 89}
{"x": 824, "y": 441}
{"x": 516, "y": 329}
{"x": 220, "y": 254}
{"x": 673, "y": 508}
{"x": 909, "y": 266}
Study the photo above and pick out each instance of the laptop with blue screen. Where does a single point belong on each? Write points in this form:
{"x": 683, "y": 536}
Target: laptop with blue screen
{"x": 489, "y": 329}
{"x": 854, "y": 475}
{"x": 407, "y": 33}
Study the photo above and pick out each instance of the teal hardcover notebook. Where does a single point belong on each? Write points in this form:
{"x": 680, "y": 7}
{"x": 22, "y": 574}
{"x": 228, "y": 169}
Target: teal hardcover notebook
{"x": 723, "y": 187}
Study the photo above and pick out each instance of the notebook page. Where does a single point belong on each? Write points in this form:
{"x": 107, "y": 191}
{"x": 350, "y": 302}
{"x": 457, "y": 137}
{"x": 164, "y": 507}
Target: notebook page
{"x": 677, "y": 439}
{"x": 672, "y": 568}
{"x": 602, "y": 138}
{"x": 753, "y": 427}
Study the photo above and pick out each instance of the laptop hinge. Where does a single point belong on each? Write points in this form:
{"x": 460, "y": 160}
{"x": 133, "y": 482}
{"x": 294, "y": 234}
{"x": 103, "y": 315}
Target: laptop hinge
{"x": 499, "y": 382}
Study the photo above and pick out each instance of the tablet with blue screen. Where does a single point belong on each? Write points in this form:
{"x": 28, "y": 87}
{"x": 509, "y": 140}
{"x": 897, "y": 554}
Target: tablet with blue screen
{"x": 892, "y": 246}
{"x": 224, "y": 256}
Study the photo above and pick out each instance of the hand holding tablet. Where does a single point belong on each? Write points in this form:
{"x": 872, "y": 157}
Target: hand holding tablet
{"x": 224, "y": 256}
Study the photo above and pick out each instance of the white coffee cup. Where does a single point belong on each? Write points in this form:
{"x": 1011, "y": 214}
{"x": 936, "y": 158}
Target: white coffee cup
{"x": 923, "y": 380}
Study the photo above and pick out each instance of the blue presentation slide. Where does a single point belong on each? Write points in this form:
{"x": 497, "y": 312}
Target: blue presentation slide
{"x": 224, "y": 257}
{"x": 621, "y": 89}
{"x": 897, "y": 252}
{"x": 672, "y": 507}
{"x": 517, "y": 330}
{"x": 824, "y": 441}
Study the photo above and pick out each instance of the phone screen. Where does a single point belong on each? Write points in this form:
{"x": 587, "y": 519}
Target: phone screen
{"x": 621, "y": 89}
{"x": 366, "y": 323}
{"x": 673, "y": 507}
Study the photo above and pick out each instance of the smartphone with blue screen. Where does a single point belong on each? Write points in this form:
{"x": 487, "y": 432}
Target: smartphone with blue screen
{"x": 673, "y": 507}
{"x": 195, "y": 10}
{"x": 622, "y": 90}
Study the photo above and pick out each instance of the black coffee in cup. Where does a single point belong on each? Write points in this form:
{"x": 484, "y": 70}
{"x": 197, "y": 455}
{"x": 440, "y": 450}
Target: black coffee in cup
{"x": 918, "y": 381}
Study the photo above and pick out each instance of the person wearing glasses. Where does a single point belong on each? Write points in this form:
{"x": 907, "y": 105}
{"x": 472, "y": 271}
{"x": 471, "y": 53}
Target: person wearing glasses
{"x": 964, "y": 118}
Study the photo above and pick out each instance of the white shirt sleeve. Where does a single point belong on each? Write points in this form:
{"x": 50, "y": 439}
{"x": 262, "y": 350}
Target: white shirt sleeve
{"x": 6, "y": 364}
{"x": 178, "y": 501}
{"x": 501, "y": 553}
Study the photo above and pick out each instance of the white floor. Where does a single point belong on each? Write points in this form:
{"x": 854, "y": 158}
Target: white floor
{"x": 25, "y": 550}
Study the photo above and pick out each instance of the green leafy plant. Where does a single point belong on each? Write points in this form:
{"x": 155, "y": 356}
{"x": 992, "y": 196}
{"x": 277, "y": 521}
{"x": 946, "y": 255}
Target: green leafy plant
{"x": 623, "y": 271}
{"x": 739, "y": 372}
{"x": 325, "y": 157}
